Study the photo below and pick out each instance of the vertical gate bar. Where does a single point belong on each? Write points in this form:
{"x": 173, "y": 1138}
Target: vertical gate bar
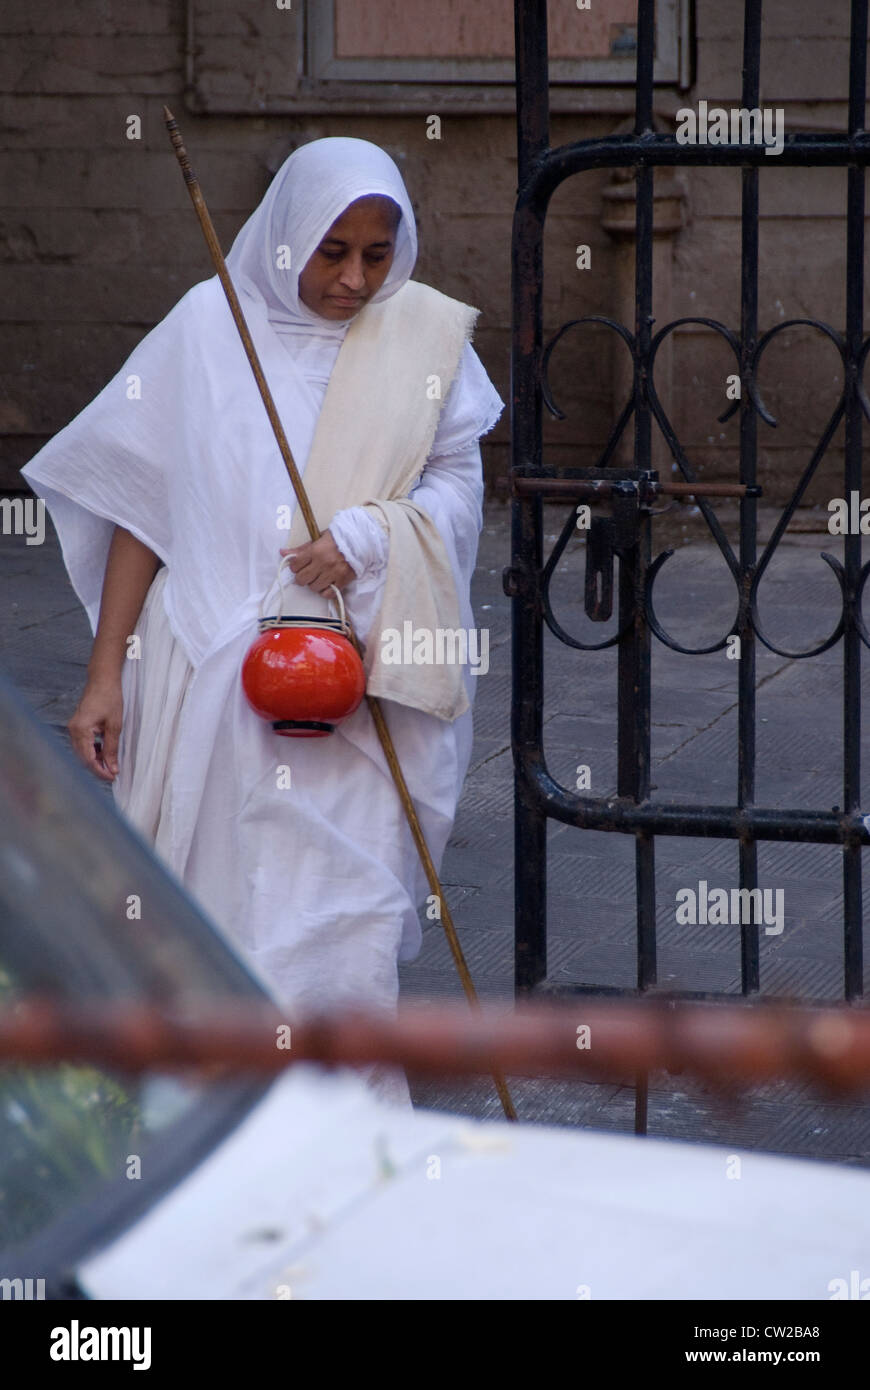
{"x": 646, "y": 42}
{"x": 532, "y": 83}
{"x": 746, "y": 668}
{"x": 527, "y": 646}
{"x": 634, "y": 651}
{"x": 853, "y": 962}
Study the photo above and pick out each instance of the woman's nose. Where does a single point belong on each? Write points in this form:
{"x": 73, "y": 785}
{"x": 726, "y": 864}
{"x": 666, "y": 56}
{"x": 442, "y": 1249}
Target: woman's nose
{"x": 353, "y": 274}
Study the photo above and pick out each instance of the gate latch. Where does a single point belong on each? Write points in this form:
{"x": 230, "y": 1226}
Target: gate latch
{"x": 598, "y": 597}
{"x": 606, "y": 535}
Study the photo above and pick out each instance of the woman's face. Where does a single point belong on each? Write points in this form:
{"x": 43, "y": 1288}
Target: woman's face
{"x": 353, "y": 259}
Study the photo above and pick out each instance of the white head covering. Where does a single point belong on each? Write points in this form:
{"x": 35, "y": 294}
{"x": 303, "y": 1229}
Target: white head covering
{"x": 310, "y": 190}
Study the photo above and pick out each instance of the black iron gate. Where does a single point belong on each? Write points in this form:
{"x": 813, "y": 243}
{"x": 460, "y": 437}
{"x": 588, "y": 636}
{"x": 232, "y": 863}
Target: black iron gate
{"x": 630, "y": 493}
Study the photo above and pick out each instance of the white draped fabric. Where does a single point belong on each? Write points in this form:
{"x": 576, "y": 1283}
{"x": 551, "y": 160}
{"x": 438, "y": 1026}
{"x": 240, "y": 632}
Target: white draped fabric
{"x": 316, "y": 883}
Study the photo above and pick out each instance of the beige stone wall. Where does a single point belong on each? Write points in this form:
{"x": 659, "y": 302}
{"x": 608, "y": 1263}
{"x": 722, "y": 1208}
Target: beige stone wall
{"x": 97, "y": 238}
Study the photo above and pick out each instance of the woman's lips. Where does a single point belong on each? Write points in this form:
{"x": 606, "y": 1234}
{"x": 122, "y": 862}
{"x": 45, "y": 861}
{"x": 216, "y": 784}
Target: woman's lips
{"x": 345, "y": 303}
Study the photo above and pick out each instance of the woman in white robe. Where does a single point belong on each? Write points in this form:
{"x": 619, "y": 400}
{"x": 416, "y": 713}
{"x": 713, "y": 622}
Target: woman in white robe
{"x": 316, "y": 883}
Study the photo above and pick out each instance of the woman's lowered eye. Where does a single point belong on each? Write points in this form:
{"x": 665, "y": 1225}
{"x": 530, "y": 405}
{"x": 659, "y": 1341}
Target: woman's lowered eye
{"x": 335, "y": 254}
{"x": 339, "y": 256}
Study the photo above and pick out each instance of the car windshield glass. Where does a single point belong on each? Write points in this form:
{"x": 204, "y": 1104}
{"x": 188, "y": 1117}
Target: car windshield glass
{"x": 66, "y": 1129}
{"x": 88, "y": 914}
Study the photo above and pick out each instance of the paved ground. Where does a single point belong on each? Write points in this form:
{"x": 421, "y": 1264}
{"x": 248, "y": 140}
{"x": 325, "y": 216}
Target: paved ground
{"x": 44, "y": 643}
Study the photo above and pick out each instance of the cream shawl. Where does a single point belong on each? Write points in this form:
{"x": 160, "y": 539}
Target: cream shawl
{"x": 373, "y": 436}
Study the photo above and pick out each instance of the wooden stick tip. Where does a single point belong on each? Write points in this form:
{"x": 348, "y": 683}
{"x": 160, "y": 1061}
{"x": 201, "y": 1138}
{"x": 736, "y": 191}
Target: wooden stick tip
{"x": 167, "y": 114}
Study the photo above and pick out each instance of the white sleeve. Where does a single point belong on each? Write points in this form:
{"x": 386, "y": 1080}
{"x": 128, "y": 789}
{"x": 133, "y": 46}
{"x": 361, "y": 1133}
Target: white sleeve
{"x": 450, "y": 488}
{"x": 471, "y": 407}
{"x": 450, "y": 491}
{"x": 362, "y": 541}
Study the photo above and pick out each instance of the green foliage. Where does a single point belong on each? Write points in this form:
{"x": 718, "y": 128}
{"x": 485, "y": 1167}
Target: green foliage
{"x": 60, "y": 1132}
{"x": 62, "y": 1129}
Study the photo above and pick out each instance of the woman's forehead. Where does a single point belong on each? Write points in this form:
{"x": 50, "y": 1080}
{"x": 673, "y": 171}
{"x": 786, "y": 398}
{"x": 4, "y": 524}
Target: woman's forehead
{"x": 374, "y": 211}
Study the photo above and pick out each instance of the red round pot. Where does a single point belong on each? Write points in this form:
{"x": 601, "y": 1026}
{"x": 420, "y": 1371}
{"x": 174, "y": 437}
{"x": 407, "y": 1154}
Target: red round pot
{"x": 305, "y": 677}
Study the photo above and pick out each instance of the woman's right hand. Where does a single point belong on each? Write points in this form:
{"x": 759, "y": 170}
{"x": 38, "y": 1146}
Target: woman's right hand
{"x": 98, "y": 716}
{"x": 130, "y": 570}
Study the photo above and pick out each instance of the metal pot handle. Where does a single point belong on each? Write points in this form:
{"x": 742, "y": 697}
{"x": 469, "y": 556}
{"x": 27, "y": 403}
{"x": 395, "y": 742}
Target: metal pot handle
{"x": 337, "y": 601}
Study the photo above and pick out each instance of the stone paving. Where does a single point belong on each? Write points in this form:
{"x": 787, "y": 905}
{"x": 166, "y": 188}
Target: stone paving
{"x": 44, "y": 645}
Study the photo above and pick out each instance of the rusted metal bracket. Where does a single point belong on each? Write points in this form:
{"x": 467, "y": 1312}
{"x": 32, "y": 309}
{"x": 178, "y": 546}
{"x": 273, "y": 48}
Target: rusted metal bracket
{"x": 515, "y": 582}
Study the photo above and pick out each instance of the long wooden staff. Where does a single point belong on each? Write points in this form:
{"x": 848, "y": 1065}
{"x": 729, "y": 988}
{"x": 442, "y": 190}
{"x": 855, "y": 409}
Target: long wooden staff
{"x": 314, "y": 531}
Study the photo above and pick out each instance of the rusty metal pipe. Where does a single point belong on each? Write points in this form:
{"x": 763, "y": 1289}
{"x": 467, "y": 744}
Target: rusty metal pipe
{"x": 573, "y": 489}
{"x": 726, "y": 1045}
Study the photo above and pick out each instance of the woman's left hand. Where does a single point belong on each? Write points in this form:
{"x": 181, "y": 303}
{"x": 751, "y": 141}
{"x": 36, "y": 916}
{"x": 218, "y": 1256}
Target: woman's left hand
{"x": 320, "y": 563}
